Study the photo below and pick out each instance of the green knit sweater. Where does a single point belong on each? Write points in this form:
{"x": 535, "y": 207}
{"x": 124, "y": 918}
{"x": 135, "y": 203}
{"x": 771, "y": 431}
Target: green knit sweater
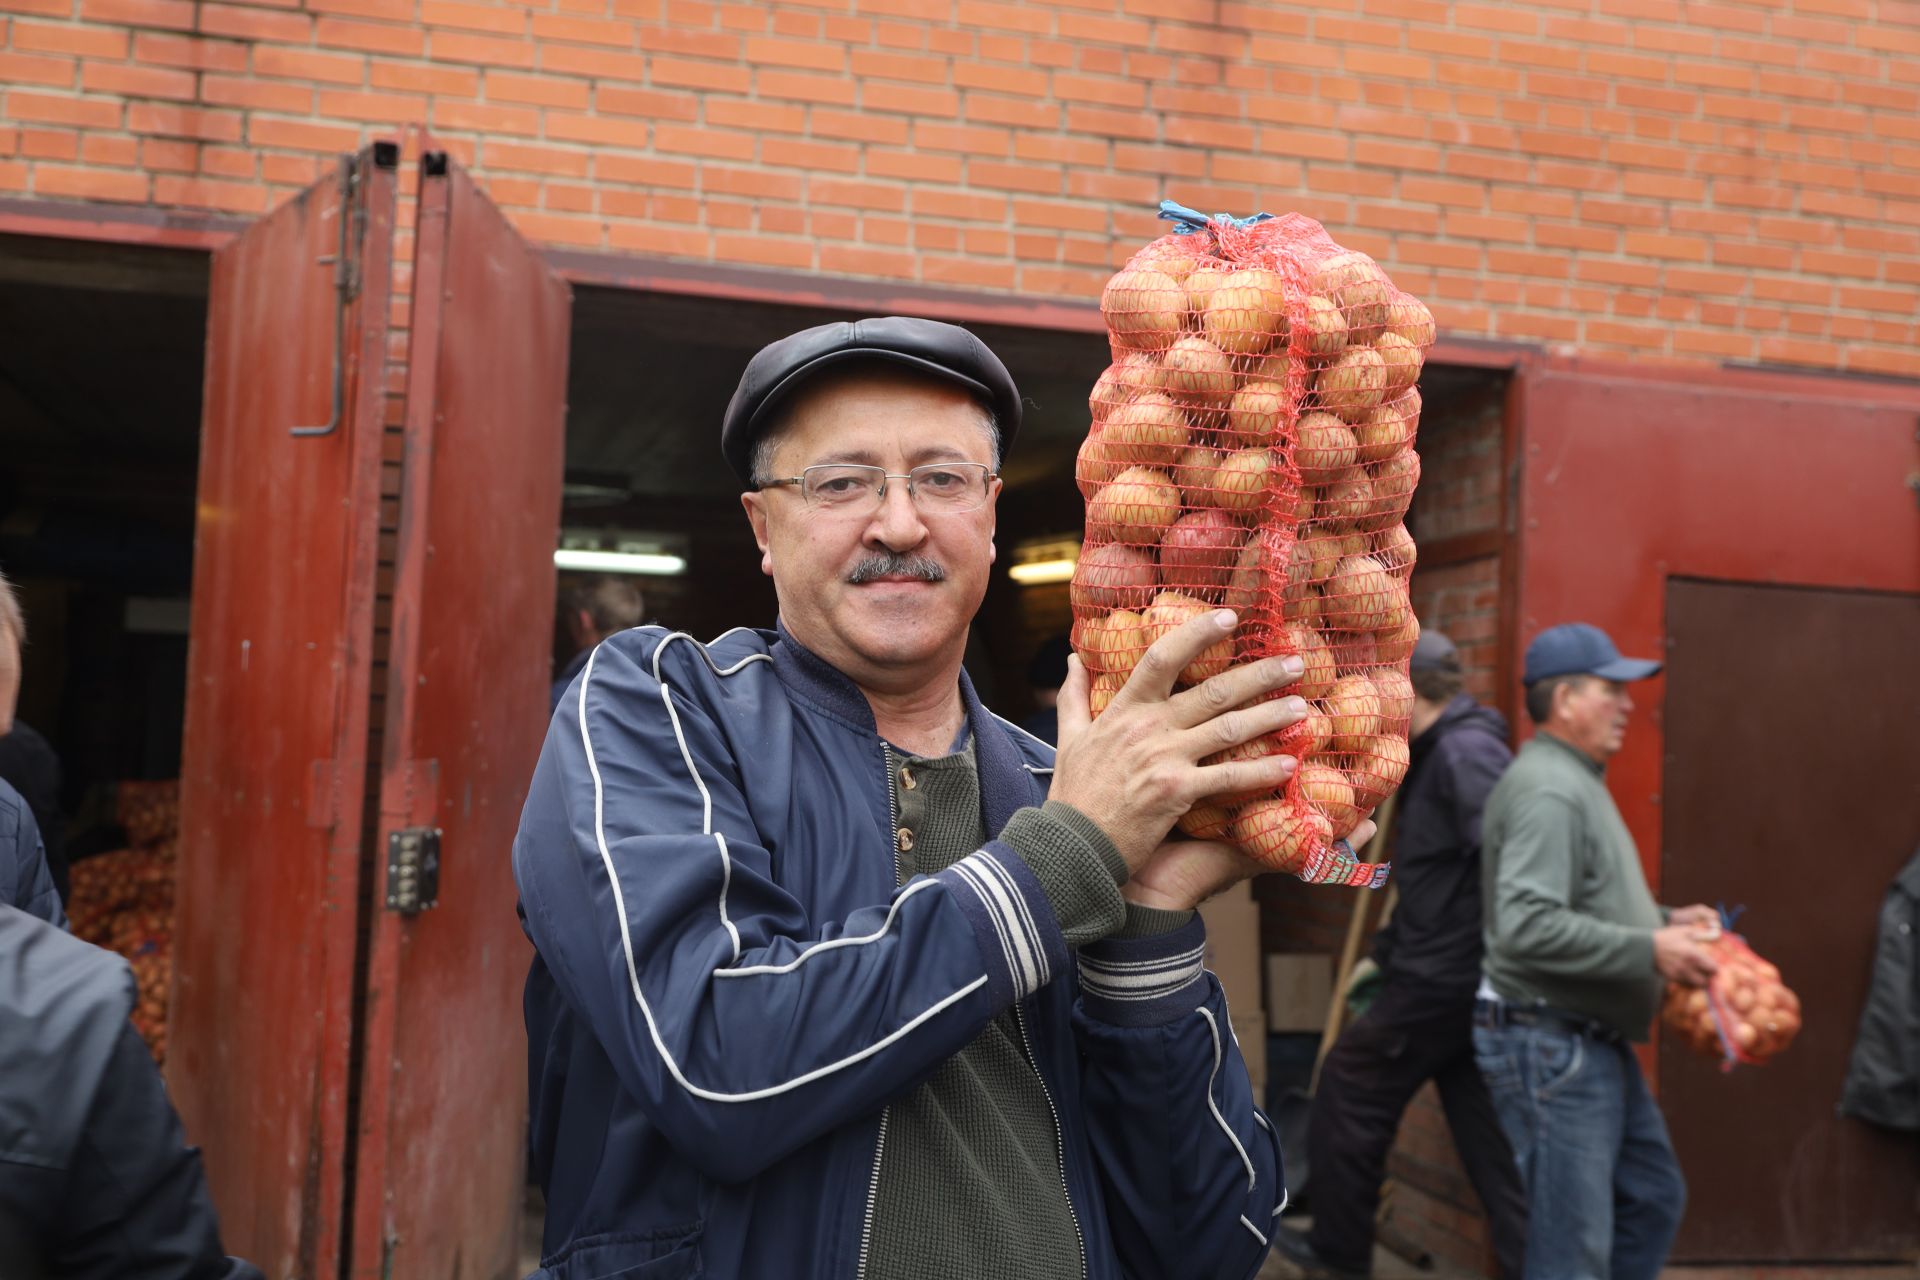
{"x": 969, "y": 1181}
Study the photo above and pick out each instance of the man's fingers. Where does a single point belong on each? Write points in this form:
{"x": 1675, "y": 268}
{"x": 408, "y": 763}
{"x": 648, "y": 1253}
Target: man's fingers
{"x": 1359, "y": 836}
{"x": 1260, "y": 774}
{"x": 1152, "y": 680}
{"x": 1074, "y": 706}
{"x": 1244, "y": 724}
{"x": 1234, "y": 688}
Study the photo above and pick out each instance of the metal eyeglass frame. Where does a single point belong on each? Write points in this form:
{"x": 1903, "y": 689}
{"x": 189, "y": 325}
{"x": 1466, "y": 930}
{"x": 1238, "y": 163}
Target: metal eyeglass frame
{"x": 880, "y": 495}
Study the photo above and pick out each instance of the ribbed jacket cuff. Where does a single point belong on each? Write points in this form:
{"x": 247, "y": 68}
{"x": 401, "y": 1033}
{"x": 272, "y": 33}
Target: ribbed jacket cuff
{"x": 1150, "y": 922}
{"x": 1144, "y": 982}
{"x": 1012, "y": 920}
{"x": 1077, "y": 866}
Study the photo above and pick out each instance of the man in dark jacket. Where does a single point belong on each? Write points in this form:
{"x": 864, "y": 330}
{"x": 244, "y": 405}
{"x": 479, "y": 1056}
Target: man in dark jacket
{"x": 96, "y": 1179}
{"x": 24, "y": 879}
{"x": 830, "y": 981}
{"x": 1420, "y": 1027}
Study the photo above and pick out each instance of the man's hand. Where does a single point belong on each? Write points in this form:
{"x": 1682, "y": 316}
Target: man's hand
{"x": 1699, "y": 917}
{"x": 1679, "y": 957}
{"x": 1137, "y": 768}
{"x": 1182, "y": 874}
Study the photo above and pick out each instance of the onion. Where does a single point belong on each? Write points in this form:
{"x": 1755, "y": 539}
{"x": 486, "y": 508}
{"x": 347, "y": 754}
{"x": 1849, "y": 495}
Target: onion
{"x": 1133, "y": 373}
{"x": 1201, "y": 285}
{"x": 1241, "y": 481}
{"x": 1408, "y": 317}
{"x": 1143, "y": 308}
{"x": 1397, "y": 552}
{"x": 1378, "y": 768}
{"x": 1307, "y": 736}
{"x": 1095, "y": 464}
{"x": 1403, "y": 360}
{"x": 1171, "y": 610}
{"x": 1112, "y": 577}
{"x": 1198, "y": 552}
{"x": 1330, "y": 792}
{"x": 1393, "y": 484}
{"x": 1353, "y": 384}
{"x": 1354, "y": 709}
{"x": 1105, "y": 686}
{"x": 1256, "y": 412}
{"x": 1280, "y": 833}
{"x": 1138, "y": 506}
{"x": 1326, "y": 328}
{"x": 1388, "y": 428}
{"x": 1206, "y": 821}
{"x": 1360, "y": 594}
{"x": 1193, "y": 472}
{"x": 1251, "y": 578}
{"x": 1396, "y": 697}
{"x": 1316, "y": 681}
{"x": 1150, "y": 430}
{"x": 1198, "y": 370}
{"x": 1247, "y": 312}
{"x": 1112, "y": 643}
{"x": 1325, "y": 448}
{"x": 1346, "y": 501}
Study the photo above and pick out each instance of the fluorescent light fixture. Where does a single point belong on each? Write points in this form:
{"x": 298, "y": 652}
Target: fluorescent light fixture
{"x": 656, "y": 563}
{"x": 1039, "y": 571}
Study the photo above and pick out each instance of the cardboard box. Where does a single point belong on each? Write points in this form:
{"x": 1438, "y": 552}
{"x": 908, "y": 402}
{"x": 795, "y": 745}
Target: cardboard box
{"x": 1233, "y": 954}
{"x": 1298, "y": 990}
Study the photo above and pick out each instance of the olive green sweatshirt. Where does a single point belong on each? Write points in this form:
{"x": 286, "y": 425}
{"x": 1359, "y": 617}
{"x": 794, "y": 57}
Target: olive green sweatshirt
{"x": 1569, "y": 917}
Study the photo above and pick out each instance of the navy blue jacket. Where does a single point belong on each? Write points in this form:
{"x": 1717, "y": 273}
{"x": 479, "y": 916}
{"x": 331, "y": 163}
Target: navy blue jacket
{"x": 25, "y": 881}
{"x": 730, "y": 987}
{"x": 1434, "y": 938}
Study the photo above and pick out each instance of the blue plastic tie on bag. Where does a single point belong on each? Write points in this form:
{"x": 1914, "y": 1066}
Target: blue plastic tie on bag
{"x": 1191, "y": 220}
{"x": 1728, "y": 916}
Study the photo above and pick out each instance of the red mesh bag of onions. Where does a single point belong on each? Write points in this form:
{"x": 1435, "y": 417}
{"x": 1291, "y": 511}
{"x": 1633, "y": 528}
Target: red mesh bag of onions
{"x": 1252, "y": 446}
{"x": 1744, "y": 1014}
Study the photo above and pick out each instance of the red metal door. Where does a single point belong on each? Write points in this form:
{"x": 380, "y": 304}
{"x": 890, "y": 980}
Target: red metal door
{"x": 1804, "y": 826}
{"x": 279, "y": 666}
{"x": 440, "y": 1153}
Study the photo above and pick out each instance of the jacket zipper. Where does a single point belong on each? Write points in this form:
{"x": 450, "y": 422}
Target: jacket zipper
{"x": 880, "y": 1143}
{"x": 1059, "y": 1143}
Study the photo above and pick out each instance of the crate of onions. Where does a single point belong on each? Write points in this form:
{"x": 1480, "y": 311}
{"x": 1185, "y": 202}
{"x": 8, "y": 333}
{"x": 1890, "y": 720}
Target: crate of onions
{"x": 1252, "y": 447}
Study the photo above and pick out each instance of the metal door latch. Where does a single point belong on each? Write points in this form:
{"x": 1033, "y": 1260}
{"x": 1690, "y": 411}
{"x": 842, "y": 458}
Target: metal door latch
{"x": 413, "y": 869}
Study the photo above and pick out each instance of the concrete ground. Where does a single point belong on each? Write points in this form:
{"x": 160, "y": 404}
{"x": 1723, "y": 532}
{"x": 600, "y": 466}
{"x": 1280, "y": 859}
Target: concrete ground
{"x": 1386, "y": 1266}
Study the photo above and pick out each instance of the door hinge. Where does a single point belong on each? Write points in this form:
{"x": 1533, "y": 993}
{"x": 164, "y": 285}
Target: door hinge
{"x": 413, "y": 869}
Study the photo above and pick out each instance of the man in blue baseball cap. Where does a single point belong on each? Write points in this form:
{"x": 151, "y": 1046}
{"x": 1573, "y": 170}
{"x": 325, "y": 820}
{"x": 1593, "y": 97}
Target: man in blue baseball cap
{"x": 1577, "y": 955}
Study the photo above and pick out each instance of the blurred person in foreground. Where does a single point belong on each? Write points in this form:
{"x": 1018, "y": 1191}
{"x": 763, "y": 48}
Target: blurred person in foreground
{"x": 592, "y": 609}
{"x": 97, "y": 1181}
{"x": 837, "y": 974}
{"x": 26, "y": 880}
{"x": 27, "y": 762}
{"x": 1577, "y": 956}
{"x": 1420, "y": 1025}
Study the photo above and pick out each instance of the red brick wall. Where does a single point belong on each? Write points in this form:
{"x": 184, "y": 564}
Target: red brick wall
{"x": 1717, "y": 180}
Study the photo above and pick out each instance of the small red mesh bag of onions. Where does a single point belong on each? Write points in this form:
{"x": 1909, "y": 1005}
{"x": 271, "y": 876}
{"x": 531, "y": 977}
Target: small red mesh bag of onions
{"x": 1745, "y": 1014}
{"x": 1252, "y": 447}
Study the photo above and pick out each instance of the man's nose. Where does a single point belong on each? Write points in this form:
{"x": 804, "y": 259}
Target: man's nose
{"x": 897, "y": 524}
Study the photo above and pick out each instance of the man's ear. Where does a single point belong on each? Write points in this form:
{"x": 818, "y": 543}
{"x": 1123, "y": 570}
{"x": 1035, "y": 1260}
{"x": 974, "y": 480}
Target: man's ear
{"x": 755, "y": 505}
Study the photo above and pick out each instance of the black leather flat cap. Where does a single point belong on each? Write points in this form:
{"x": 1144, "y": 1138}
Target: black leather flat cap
{"x": 944, "y": 351}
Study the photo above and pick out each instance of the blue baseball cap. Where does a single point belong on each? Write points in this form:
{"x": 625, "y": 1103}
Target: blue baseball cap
{"x": 1581, "y": 649}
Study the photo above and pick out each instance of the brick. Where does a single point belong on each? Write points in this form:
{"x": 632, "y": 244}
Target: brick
{"x": 537, "y": 90}
{"x": 25, "y": 107}
{"x": 62, "y": 182}
{"x": 714, "y": 76}
{"x": 598, "y": 130}
{"x": 830, "y": 90}
{"x": 304, "y": 64}
{"x": 759, "y": 184}
{"x": 880, "y": 65}
{"x": 162, "y": 155}
{"x": 717, "y": 143}
{"x": 645, "y": 171}
{"x": 301, "y": 135}
{"x": 763, "y": 251}
{"x": 610, "y": 33}
{"x": 478, "y": 117}
{"x": 460, "y": 46}
{"x": 177, "y": 15}
{"x": 49, "y": 144}
{"x": 234, "y": 91}
{"x": 855, "y": 127}
{"x": 805, "y": 55}
{"x": 1019, "y": 113}
{"x": 254, "y": 24}
{"x": 473, "y": 17}
{"x": 371, "y": 37}
{"x": 137, "y": 82}
{"x": 742, "y": 113}
{"x": 651, "y": 104}
{"x": 211, "y": 193}
{"x": 534, "y": 158}
{"x": 24, "y": 68}
{"x": 85, "y": 42}
{"x": 910, "y": 99}
{"x": 189, "y": 53}
{"x": 373, "y": 108}
{"x": 424, "y": 77}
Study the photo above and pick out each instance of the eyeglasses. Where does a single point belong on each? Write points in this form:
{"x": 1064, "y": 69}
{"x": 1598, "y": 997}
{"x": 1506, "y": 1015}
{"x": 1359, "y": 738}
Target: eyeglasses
{"x": 937, "y": 488}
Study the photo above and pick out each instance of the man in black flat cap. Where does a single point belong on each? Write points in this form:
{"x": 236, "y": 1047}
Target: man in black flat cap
{"x": 1578, "y": 954}
{"x": 837, "y": 973}
{"x": 1420, "y": 1026}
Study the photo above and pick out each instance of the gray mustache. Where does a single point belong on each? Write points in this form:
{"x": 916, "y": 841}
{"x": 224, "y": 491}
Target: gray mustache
{"x": 893, "y": 565}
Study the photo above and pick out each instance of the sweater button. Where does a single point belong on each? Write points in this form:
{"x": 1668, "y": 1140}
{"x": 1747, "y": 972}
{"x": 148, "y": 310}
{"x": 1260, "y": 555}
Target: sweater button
{"x": 907, "y": 779}
{"x": 904, "y": 840}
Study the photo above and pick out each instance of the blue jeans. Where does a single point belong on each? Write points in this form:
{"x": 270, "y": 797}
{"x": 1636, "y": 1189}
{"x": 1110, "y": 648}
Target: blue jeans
{"x": 1605, "y": 1191}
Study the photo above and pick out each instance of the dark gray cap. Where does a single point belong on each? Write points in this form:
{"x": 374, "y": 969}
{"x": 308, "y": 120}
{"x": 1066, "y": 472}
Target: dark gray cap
{"x": 1434, "y": 652}
{"x": 945, "y": 351}
{"x": 1582, "y": 649}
